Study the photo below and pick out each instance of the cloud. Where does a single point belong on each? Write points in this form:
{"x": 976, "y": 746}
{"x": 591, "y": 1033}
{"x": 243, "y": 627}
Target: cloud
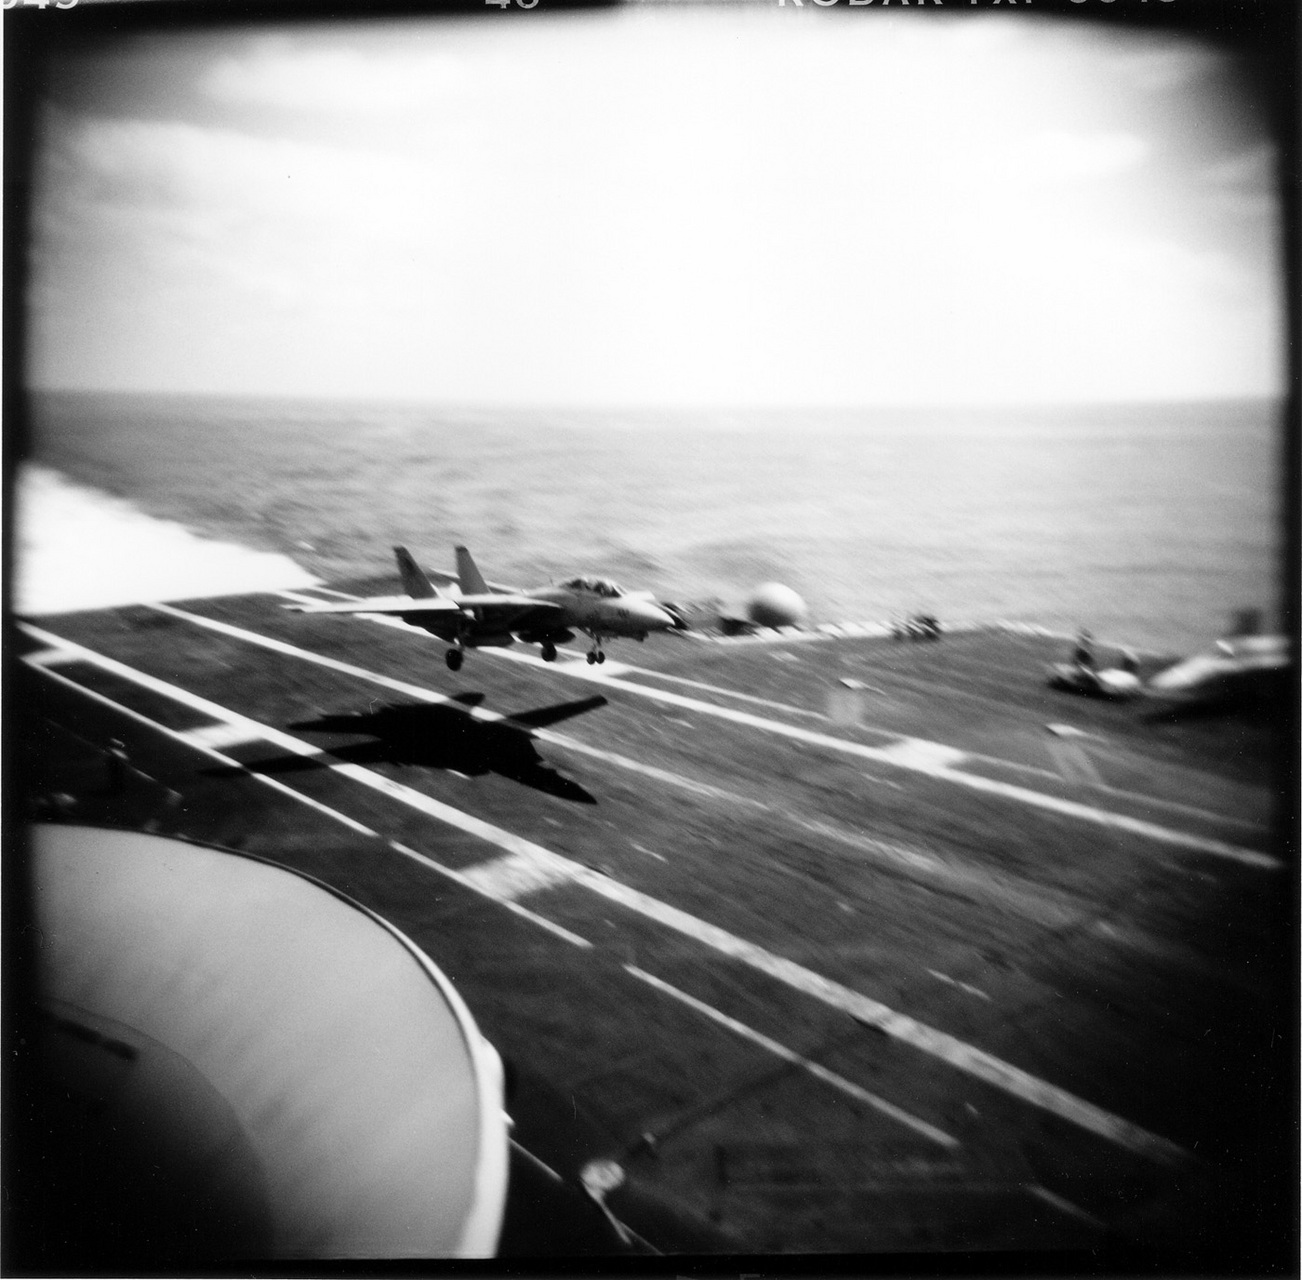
{"x": 641, "y": 205}
{"x": 145, "y": 164}
{"x": 168, "y": 205}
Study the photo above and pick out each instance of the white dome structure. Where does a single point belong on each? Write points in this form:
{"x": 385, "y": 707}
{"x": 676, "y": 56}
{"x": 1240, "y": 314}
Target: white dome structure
{"x": 774, "y": 605}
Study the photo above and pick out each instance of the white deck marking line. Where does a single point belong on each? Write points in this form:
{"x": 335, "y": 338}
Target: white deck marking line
{"x": 517, "y": 874}
{"x": 938, "y": 1044}
{"x": 928, "y": 1131}
{"x": 221, "y": 734}
{"x": 48, "y": 658}
{"x": 881, "y": 782}
{"x": 1064, "y": 1206}
{"x": 461, "y": 878}
{"x": 954, "y": 982}
{"x": 727, "y": 693}
{"x": 550, "y": 925}
{"x": 581, "y": 671}
{"x": 922, "y": 755}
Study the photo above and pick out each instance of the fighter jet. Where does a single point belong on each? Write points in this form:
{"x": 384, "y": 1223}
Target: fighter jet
{"x": 469, "y": 613}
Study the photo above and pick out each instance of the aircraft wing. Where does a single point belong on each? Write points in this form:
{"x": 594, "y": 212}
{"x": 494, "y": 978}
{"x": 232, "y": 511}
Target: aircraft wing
{"x": 502, "y": 612}
{"x": 383, "y": 604}
{"x": 490, "y": 613}
{"x": 451, "y": 580}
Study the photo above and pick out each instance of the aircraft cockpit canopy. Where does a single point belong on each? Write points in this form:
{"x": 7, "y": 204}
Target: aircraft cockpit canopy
{"x": 598, "y": 586}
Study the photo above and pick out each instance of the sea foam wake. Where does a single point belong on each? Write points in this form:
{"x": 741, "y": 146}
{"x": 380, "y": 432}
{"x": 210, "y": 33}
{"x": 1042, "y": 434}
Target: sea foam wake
{"x": 77, "y": 548}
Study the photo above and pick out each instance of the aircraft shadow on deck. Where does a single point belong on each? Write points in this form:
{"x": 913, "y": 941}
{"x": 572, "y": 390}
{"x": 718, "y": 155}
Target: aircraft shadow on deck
{"x": 440, "y": 737}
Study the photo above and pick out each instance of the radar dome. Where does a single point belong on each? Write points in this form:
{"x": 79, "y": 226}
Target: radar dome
{"x": 773, "y": 605}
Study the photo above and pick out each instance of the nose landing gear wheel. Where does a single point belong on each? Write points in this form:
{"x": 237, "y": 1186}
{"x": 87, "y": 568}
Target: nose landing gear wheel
{"x": 455, "y": 659}
{"x": 548, "y": 652}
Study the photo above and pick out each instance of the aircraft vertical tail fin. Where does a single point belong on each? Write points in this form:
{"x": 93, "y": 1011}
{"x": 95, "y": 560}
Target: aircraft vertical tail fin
{"x": 414, "y": 581}
{"x": 472, "y": 581}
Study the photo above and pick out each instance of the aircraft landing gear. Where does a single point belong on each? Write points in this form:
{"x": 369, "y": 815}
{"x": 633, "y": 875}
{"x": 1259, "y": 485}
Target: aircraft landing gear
{"x": 596, "y": 655}
{"x": 548, "y": 651}
{"x": 455, "y": 658}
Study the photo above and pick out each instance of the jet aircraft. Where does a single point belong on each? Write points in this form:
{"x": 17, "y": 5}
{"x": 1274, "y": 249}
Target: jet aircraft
{"x": 470, "y": 613}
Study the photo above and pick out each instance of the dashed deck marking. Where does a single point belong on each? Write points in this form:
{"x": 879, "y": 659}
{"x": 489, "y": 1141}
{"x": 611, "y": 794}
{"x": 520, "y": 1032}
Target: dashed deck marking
{"x": 1065, "y": 1206}
{"x": 954, "y": 982}
{"x": 937, "y": 1044}
{"x": 928, "y": 1131}
{"x": 221, "y": 735}
{"x": 517, "y": 874}
{"x": 922, "y": 755}
{"x": 486, "y": 890}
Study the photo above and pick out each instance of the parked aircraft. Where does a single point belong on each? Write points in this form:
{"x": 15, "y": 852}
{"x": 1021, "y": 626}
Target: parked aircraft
{"x": 1117, "y": 684}
{"x": 469, "y": 613}
{"x": 1242, "y": 670}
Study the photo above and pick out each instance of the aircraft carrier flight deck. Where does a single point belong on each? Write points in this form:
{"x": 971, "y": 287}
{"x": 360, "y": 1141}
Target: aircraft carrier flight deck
{"x": 833, "y": 943}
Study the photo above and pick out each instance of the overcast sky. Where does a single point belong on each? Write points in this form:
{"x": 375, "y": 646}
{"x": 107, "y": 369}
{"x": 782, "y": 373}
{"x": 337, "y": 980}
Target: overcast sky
{"x": 659, "y": 206}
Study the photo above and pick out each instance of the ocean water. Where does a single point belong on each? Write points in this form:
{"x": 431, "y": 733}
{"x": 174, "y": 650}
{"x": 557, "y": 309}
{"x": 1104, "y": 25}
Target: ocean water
{"x": 1149, "y": 524}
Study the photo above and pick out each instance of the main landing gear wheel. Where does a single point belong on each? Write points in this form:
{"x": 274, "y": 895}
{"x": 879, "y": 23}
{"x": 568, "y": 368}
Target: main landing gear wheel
{"x": 548, "y": 651}
{"x": 455, "y": 659}
{"x": 596, "y": 655}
